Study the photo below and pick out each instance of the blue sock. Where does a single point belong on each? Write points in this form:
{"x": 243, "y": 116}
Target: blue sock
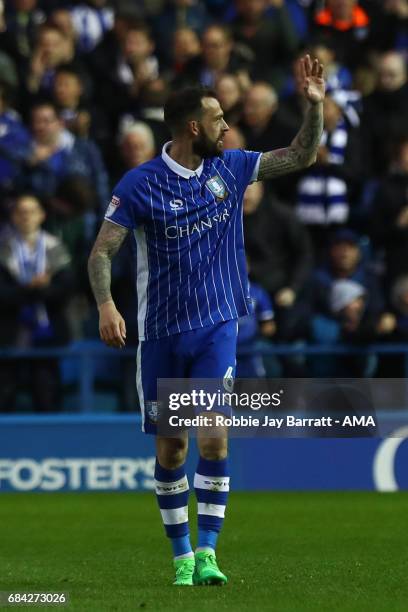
{"x": 172, "y": 496}
{"x": 211, "y": 484}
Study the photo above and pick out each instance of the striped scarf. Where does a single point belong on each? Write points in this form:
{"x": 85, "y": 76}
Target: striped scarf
{"x": 91, "y": 25}
{"x": 29, "y": 264}
{"x": 322, "y": 196}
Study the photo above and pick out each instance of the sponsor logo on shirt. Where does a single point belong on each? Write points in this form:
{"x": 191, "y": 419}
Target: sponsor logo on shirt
{"x": 176, "y": 204}
{"x": 180, "y": 231}
{"x": 113, "y": 205}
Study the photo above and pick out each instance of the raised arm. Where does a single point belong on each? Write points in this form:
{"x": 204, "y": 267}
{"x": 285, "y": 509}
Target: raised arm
{"x": 301, "y": 153}
{"x": 112, "y": 327}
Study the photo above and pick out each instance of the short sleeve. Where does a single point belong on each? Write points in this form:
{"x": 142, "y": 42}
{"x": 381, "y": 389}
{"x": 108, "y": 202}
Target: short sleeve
{"x": 123, "y": 207}
{"x": 244, "y": 165}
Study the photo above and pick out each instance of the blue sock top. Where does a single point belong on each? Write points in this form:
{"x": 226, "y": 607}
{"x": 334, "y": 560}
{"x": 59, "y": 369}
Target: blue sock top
{"x": 213, "y": 468}
{"x": 164, "y": 475}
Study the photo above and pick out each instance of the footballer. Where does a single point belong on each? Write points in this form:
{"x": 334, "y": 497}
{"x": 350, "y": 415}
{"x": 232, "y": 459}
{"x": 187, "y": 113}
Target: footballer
{"x": 184, "y": 210}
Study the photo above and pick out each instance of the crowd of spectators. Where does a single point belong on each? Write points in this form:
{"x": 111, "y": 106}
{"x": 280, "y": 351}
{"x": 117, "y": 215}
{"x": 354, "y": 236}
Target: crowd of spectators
{"x": 82, "y": 89}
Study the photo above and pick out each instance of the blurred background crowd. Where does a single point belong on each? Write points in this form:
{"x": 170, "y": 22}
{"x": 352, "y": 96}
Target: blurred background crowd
{"x": 82, "y": 89}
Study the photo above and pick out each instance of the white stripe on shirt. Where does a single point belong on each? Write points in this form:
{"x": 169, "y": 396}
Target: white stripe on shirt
{"x": 168, "y": 257}
{"x": 157, "y": 255}
{"x": 235, "y": 232}
{"x": 199, "y": 249}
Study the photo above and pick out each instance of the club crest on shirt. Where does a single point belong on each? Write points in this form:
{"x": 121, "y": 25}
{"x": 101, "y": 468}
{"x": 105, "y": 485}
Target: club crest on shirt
{"x": 217, "y": 187}
{"x": 113, "y": 205}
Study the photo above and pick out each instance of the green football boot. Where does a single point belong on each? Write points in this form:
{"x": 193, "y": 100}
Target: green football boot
{"x": 206, "y": 570}
{"x": 184, "y": 571}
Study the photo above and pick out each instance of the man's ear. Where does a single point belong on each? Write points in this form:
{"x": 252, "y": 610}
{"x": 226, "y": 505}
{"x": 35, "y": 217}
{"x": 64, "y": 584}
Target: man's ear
{"x": 194, "y": 127}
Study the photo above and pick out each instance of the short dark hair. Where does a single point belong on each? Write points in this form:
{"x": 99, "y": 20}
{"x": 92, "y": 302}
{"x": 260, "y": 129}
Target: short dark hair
{"x": 41, "y": 102}
{"x": 48, "y": 26}
{"x": 142, "y": 27}
{"x": 22, "y": 195}
{"x": 68, "y": 68}
{"x": 225, "y": 30}
{"x": 184, "y": 104}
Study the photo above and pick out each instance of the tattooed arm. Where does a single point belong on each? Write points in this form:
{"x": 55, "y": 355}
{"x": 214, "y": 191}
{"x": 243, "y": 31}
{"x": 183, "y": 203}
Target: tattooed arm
{"x": 300, "y": 154}
{"x": 302, "y": 151}
{"x": 112, "y": 327}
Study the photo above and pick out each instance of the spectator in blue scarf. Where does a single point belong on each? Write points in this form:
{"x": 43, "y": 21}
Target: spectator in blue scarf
{"x": 327, "y": 190}
{"x": 35, "y": 284}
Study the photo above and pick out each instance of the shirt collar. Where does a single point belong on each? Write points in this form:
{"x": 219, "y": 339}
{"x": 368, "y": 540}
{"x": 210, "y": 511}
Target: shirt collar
{"x": 178, "y": 168}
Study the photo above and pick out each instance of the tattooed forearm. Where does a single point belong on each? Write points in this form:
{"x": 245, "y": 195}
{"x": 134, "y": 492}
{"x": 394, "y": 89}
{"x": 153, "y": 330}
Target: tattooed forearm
{"x": 107, "y": 244}
{"x": 279, "y": 162}
{"x": 302, "y": 151}
{"x": 308, "y": 138}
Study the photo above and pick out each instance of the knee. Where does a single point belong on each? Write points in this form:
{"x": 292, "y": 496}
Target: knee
{"x": 213, "y": 449}
{"x": 171, "y": 453}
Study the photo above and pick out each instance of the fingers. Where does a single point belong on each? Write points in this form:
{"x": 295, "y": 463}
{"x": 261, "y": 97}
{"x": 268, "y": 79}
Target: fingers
{"x": 315, "y": 67}
{"x": 112, "y": 335}
{"x": 122, "y": 329}
{"x": 303, "y": 70}
{"x": 307, "y": 62}
{"x": 309, "y": 68}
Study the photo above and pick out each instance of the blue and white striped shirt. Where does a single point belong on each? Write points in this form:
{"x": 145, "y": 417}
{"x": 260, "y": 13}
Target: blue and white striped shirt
{"x": 187, "y": 224}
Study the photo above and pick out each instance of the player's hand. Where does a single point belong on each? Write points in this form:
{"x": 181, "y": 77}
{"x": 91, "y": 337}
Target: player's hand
{"x": 310, "y": 78}
{"x": 112, "y": 328}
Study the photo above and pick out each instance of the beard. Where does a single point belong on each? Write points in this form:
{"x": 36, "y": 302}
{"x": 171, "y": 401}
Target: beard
{"x": 204, "y": 147}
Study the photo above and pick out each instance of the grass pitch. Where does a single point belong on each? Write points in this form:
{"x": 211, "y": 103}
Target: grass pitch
{"x": 281, "y": 551}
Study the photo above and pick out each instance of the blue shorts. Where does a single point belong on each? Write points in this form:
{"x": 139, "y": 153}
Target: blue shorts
{"x": 207, "y": 352}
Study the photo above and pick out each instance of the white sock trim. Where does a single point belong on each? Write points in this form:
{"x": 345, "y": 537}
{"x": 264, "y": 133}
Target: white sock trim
{"x": 171, "y": 488}
{"x": 211, "y": 509}
{"x": 211, "y": 483}
{"x": 175, "y": 516}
